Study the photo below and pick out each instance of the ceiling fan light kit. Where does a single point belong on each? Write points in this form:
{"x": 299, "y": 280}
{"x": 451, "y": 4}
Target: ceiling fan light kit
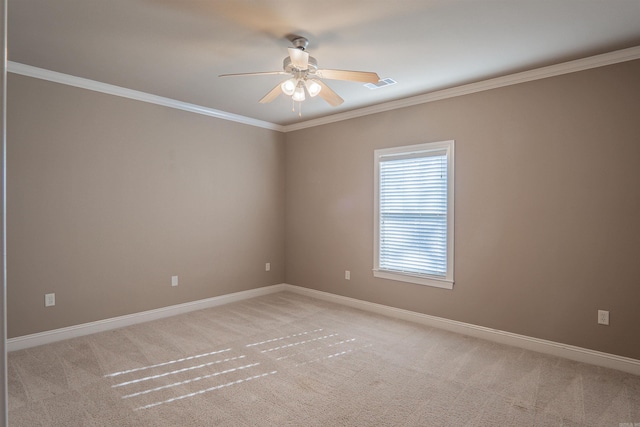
{"x": 305, "y": 77}
{"x": 313, "y": 87}
{"x": 288, "y": 86}
{"x": 298, "y": 94}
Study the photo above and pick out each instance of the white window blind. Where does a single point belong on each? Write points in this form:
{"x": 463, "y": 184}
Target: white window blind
{"x": 414, "y": 213}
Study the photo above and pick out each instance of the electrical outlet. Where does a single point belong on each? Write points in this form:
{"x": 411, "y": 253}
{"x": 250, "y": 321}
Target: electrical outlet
{"x": 267, "y": 267}
{"x": 174, "y": 280}
{"x": 347, "y": 275}
{"x": 49, "y": 300}
{"x": 603, "y": 317}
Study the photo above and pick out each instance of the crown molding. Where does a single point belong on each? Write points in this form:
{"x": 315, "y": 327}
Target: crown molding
{"x": 66, "y": 79}
{"x": 602, "y": 60}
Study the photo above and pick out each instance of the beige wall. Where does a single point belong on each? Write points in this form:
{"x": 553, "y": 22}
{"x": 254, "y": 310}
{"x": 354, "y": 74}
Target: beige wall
{"x": 547, "y": 207}
{"x": 109, "y": 197}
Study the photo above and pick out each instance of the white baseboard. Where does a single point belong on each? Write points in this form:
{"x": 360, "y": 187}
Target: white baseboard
{"x": 33, "y": 340}
{"x": 566, "y": 351}
{"x": 579, "y": 354}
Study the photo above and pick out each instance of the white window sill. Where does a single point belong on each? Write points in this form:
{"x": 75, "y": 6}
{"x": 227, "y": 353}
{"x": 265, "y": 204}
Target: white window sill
{"x": 419, "y": 280}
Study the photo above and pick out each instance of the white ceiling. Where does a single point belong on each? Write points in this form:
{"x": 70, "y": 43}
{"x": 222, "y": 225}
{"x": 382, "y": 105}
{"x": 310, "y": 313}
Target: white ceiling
{"x": 177, "y": 48}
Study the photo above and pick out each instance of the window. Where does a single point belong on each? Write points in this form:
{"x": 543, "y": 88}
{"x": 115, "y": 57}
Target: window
{"x": 414, "y": 214}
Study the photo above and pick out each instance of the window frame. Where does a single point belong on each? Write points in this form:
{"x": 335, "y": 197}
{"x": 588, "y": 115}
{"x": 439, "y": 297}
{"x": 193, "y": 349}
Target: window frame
{"x": 428, "y": 148}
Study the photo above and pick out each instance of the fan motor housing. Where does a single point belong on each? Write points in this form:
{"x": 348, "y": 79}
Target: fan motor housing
{"x": 289, "y": 68}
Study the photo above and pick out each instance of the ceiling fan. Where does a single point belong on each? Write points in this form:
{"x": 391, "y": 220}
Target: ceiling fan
{"x": 305, "y": 76}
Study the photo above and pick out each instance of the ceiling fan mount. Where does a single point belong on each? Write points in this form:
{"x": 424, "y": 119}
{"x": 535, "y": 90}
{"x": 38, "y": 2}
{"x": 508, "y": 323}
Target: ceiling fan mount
{"x": 300, "y": 42}
{"x": 305, "y": 78}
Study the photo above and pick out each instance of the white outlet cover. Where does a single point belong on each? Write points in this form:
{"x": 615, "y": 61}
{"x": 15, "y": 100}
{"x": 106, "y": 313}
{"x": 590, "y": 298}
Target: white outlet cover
{"x": 267, "y": 267}
{"x": 49, "y": 300}
{"x": 174, "y": 280}
{"x": 603, "y": 317}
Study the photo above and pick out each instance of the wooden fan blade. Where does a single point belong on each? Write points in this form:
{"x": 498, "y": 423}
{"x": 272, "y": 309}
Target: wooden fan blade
{"x": 299, "y": 58}
{"x": 260, "y": 73}
{"x": 354, "y": 76}
{"x": 329, "y": 95}
{"x": 273, "y": 94}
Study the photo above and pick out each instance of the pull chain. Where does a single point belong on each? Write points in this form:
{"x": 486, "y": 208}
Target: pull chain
{"x": 293, "y": 107}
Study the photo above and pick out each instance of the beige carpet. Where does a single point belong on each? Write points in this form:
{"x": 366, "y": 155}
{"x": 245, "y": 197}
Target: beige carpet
{"x": 289, "y": 360}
